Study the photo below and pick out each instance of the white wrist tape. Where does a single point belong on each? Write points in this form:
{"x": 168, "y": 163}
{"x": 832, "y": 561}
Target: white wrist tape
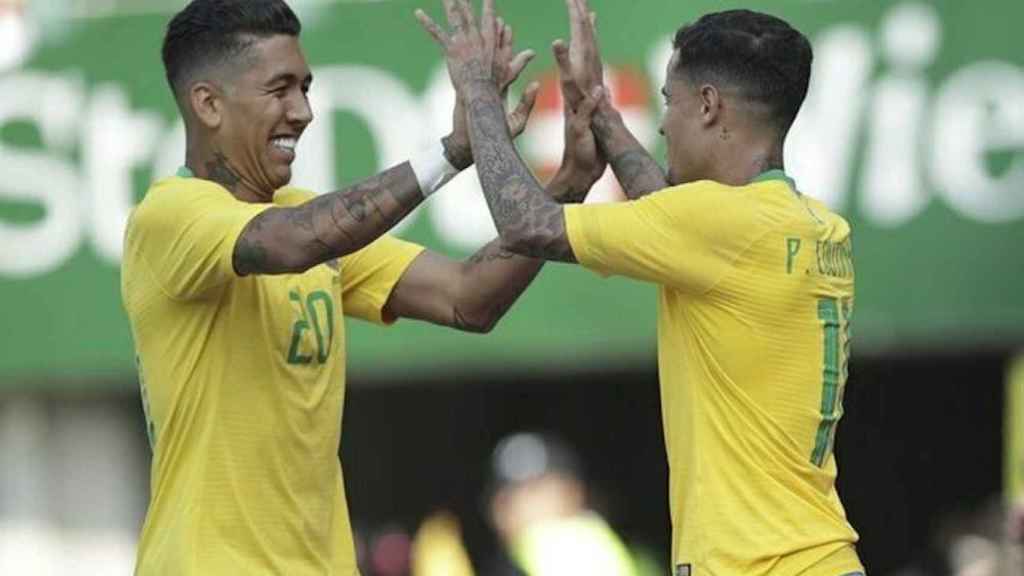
{"x": 432, "y": 169}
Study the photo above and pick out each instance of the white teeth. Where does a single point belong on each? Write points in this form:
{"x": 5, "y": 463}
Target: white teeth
{"x": 285, "y": 143}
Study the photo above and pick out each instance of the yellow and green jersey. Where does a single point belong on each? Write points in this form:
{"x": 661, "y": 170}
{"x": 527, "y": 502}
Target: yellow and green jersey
{"x": 756, "y": 293}
{"x": 243, "y": 381}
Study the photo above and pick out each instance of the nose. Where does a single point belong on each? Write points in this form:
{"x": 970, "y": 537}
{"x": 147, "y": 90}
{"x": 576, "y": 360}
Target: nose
{"x": 300, "y": 111}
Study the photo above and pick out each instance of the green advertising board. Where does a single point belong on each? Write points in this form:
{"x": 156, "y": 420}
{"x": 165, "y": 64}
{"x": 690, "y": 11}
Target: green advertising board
{"x": 914, "y": 130}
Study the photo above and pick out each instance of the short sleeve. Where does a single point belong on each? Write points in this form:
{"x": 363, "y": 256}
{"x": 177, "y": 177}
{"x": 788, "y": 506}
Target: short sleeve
{"x": 687, "y": 237}
{"x": 185, "y": 231}
{"x": 369, "y": 275}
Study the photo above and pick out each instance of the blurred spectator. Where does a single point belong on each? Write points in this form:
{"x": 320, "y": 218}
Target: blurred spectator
{"x": 537, "y": 503}
{"x": 438, "y": 550}
{"x": 976, "y": 544}
{"x": 538, "y": 506}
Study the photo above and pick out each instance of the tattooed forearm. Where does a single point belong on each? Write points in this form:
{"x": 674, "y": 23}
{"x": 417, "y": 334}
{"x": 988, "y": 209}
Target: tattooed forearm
{"x": 493, "y": 279}
{"x": 634, "y": 167}
{"x": 638, "y": 173}
{"x": 491, "y": 252}
{"x": 287, "y": 240}
{"x": 529, "y": 222}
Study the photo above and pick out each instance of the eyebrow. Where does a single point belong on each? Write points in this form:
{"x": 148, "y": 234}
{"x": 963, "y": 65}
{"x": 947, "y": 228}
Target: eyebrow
{"x": 664, "y": 92}
{"x": 289, "y": 78}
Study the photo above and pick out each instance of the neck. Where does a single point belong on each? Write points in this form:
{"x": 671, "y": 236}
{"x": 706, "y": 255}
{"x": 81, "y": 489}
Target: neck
{"x": 208, "y": 162}
{"x": 739, "y": 162}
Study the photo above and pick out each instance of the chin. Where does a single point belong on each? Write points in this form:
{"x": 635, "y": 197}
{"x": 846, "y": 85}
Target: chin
{"x": 282, "y": 177}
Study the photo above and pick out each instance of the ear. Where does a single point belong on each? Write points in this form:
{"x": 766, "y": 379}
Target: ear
{"x": 207, "y": 105}
{"x": 710, "y": 104}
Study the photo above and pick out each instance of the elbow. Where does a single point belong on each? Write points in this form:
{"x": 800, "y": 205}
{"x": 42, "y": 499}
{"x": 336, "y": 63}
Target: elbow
{"x": 482, "y": 329}
{"x": 476, "y": 321}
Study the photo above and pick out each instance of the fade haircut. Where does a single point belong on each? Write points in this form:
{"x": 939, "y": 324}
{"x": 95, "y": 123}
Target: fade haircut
{"x": 209, "y": 33}
{"x": 763, "y": 56}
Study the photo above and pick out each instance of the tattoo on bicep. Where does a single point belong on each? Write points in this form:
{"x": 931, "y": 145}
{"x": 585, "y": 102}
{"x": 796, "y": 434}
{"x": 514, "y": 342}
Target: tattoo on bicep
{"x": 352, "y": 218}
{"x": 525, "y": 216}
{"x": 328, "y": 226}
{"x": 250, "y": 255}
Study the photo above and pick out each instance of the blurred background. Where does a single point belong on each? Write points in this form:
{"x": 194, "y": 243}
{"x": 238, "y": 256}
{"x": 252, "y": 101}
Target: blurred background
{"x": 474, "y": 455}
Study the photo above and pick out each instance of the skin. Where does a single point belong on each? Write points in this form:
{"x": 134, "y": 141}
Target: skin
{"x": 711, "y": 133}
{"x": 233, "y": 113}
{"x": 524, "y": 219}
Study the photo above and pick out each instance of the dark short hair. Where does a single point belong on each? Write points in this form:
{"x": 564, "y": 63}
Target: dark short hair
{"x": 212, "y": 32}
{"x": 763, "y": 56}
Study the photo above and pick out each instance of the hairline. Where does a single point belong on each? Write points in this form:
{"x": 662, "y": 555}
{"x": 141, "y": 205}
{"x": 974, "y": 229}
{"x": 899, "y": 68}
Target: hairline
{"x": 234, "y": 65}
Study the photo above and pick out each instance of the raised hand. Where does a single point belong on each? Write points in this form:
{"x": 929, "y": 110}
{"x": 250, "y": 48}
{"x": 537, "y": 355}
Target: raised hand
{"x": 636, "y": 170}
{"x": 584, "y": 54}
{"x": 582, "y": 162}
{"x": 508, "y": 66}
{"x": 470, "y": 50}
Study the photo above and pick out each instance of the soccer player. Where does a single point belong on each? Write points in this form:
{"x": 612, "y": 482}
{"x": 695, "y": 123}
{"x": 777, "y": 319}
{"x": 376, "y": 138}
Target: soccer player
{"x": 235, "y": 286}
{"x": 756, "y": 279}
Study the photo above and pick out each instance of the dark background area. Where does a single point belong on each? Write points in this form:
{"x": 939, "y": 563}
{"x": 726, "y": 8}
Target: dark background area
{"x": 921, "y": 442}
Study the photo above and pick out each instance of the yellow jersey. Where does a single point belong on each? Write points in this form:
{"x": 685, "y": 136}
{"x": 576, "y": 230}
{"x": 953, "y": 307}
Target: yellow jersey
{"x": 756, "y": 293}
{"x": 243, "y": 381}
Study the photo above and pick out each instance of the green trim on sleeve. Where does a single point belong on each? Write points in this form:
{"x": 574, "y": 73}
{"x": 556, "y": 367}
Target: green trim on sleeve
{"x": 184, "y": 172}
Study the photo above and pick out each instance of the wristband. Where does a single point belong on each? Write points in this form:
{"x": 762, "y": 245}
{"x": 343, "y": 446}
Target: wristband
{"x": 432, "y": 169}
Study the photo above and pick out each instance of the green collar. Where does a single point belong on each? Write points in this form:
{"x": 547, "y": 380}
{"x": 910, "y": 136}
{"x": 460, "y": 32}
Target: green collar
{"x": 184, "y": 172}
{"x": 770, "y": 175}
{"x": 776, "y": 175}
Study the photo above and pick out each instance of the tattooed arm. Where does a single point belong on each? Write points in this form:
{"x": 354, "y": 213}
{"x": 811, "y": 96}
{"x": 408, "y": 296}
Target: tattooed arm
{"x": 470, "y": 296}
{"x": 294, "y": 239}
{"x": 637, "y": 172}
{"x": 528, "y": 221}
{"x": 634, "y": 167}
{"x": 474, "y": 295}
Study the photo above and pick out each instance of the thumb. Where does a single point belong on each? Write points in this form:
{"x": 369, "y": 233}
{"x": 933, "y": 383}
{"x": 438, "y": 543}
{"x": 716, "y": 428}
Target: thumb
{"x": 519, "y": 117}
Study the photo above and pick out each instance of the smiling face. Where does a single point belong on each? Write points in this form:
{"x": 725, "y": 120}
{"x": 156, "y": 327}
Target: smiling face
{"x": 264, "y": 110}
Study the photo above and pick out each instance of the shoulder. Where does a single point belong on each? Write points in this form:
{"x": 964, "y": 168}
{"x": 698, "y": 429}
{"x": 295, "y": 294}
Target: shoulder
{"x": 172, "y": 194}
{"x": 706, "y": 193}
{"x": 699, "y": 187}
{"x": 839, "y": 227}
{"x": 710, "y": 202}
{"x": 292, "y": 196}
